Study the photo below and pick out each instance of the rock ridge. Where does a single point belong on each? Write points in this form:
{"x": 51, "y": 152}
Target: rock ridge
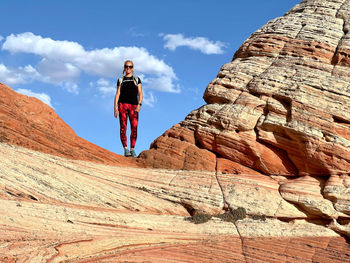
{"x": 279, "y": 113}
{"x": 280, "y": 107}
{"x": 28, "y": 122}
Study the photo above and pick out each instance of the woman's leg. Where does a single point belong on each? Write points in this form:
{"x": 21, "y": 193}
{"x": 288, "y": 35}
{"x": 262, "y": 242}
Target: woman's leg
{"x": 134, "y": 120}
{"x": 123, "y": 118}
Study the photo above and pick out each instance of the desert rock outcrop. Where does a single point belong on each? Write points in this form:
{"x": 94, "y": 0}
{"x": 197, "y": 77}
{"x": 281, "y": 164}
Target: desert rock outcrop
{"x": 60, "y": 210}
{"x": 28, "y": 122}
{"x": 282, "y": 106}
{"x": 261, "y": 173}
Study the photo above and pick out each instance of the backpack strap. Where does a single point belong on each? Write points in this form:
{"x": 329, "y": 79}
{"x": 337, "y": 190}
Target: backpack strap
{"x": 136, "y": 79}
{"x": 120, "y": 80}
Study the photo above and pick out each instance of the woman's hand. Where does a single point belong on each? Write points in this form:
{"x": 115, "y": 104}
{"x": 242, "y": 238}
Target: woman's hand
{"x": 138, "y": 108}
{"x": 116, "y": 112}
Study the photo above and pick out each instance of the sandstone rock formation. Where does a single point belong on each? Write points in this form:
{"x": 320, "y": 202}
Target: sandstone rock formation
{"x": 30, "y": 123}
{"x": 279, "y": 111}
{"x": 272, "y": 142}
{"x": 281, "y": 107}
{"x": 59, "y": 210}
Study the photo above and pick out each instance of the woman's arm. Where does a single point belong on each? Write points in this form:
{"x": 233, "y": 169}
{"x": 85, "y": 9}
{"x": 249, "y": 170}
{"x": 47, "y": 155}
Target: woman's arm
{"x": 116, "y": 99}
{"x": 140, "y": 97}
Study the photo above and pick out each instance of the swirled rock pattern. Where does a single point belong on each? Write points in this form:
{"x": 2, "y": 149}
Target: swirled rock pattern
{"x": 59, "y": 210}
{"x": 282, "y": 106}
{"x": 272, "y": 142}
{"x": 279, "y": 112}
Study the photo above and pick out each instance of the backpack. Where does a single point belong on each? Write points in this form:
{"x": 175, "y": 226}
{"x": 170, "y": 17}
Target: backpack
{"x": 121, "y": 80}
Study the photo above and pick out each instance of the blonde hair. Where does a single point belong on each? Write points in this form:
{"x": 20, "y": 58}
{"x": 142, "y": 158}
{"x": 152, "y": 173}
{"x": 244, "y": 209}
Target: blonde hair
{"x": 124, "y": 73}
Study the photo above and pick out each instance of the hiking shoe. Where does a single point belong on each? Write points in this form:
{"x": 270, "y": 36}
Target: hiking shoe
{"x": 133, "y": 153}
{"x": 127, "y": 153}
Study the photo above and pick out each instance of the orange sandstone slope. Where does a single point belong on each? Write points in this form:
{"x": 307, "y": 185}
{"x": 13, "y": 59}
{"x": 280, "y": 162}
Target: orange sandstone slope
{"x": 30, "y": 123}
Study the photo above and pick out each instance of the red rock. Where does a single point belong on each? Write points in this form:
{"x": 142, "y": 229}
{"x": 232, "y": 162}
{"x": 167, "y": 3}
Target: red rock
{"x": 273, "y": 139}
{"x": 306, "y": 192}
{"x": 308, "y": 249}
{"x": 55, "y": 209}
{"x": 281, "y": 106}
{"x": 229, "y": 167}
{"x": 30, "y": 123}
{"x": 176, "y": 149}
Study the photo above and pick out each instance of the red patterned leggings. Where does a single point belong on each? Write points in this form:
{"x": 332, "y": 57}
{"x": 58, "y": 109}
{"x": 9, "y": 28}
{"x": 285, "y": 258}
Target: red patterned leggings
{"x": 126, "y": 110}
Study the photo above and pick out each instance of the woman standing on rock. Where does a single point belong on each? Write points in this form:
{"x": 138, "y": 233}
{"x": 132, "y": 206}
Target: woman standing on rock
{"x": 127, "y": 103}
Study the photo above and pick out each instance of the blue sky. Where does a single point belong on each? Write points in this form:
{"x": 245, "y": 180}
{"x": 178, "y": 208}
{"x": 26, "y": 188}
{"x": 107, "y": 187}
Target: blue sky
{"x": 70, "y": 54}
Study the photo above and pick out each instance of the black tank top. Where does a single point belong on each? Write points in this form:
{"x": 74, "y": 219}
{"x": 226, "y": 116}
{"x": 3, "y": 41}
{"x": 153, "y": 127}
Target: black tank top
{"x": 129, "y": 91}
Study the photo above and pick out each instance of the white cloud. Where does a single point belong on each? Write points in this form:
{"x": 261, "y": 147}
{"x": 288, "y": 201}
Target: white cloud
{"x": 59, "y": 73}
{"x": 56, "y": 71}
{"x": 202, "y": 44}
{"x": 41, "y": 96}
{"x": 17, "y": 76}
{"x": 63, "y": 61}
{"x": 71, "y": 87}
{"x": 107, "y": 88}
{"x": 159, "y": 83}
{"x": 149, "y": 99}
{"x": 27, "y": 74}
{"x": 45, "y": 47}
{"x": 1, "y": 38}
{"x": 103, "y": 82}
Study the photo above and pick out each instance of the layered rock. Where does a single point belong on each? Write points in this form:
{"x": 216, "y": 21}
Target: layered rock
{"x": 176, "y": 149}
{"x": 28, "y": 122}
{"x": 258, "y": 174}
{"x": 282, "y": 106}
{"x": 277, "y": 121}
{"x": 60, "y": 210}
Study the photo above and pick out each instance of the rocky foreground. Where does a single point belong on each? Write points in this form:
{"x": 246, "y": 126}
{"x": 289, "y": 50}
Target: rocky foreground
{"x": 60, "y": 210}
{"x": 261, "y": 173}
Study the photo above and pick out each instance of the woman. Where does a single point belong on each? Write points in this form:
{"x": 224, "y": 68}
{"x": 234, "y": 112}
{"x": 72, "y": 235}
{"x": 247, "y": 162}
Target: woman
{"x": 127, "y": 103}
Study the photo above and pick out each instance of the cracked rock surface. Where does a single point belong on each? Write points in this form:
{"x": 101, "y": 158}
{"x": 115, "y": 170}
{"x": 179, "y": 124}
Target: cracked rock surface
{"x": 279, "y": 113}
{"x": 59, "y": 210}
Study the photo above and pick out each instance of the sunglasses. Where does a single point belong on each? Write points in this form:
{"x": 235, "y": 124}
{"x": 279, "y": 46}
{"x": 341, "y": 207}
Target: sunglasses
{"x": 128, "y": 66}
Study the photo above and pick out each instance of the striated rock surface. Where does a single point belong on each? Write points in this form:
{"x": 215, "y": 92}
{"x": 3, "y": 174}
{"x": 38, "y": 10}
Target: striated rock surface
{"x": 176, "y": 149}
{"x": 337, "y": 189}
{"x": 28, "y": 122}
{"x": 282, "y": 106}
{"x": 258, "y": 174}
{"x": 59, "y": 210}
